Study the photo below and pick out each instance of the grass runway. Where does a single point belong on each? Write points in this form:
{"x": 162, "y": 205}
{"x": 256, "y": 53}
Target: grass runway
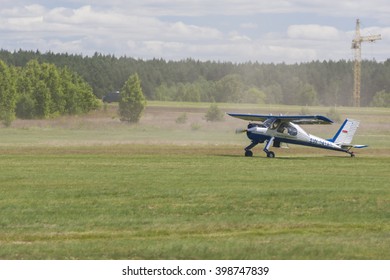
{"x": 91, "y": 187}
{"x": 132, "y": 201}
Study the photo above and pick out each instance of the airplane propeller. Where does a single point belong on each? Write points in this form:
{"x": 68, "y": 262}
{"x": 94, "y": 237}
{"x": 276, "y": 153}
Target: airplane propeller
{"x": 240, "y": 130}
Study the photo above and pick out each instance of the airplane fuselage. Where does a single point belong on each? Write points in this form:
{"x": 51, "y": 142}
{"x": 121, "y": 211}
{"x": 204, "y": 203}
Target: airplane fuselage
{"x": 274, "y": 130}
{"x": 289, "y": 133}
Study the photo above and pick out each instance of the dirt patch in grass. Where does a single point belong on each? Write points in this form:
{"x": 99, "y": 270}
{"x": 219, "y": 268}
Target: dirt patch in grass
{"x": 159, "y": 126}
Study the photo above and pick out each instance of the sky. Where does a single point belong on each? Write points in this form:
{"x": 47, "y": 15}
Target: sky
{"x": 266, "y": 31}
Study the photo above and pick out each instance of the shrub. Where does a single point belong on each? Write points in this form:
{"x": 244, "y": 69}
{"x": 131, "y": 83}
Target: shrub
{"x": 182, "y": 119}
{"x": 214, "y": 114}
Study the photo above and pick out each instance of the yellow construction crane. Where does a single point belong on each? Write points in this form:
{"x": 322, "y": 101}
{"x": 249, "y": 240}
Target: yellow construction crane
{"x": 357, "y": 45}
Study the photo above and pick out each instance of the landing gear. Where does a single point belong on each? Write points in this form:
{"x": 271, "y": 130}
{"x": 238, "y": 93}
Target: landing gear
{"x": 248, "y": 152}
{"x": 352, "y": 154}
{"x": 266, "y": 148}
{"x": 271, "y": 154}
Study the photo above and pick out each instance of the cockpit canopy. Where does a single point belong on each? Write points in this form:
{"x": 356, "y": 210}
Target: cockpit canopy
{"x": 287, "y": 128}
{"x": 279, "y": 126}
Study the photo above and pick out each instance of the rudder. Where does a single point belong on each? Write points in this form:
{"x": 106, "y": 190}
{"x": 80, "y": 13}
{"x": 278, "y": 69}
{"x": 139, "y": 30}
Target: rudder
{"x": 346, "y": 132}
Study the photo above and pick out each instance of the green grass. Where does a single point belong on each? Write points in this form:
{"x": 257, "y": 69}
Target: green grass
{"x": 91, "y": 187}
{"x": 191, "y": 202}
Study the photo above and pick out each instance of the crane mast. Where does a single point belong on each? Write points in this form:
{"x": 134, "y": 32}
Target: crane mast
{"x": 357, "y": 45}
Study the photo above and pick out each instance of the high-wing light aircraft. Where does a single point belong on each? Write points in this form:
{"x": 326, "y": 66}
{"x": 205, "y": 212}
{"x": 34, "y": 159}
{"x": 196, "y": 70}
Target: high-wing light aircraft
{"x": 275, "y": 130}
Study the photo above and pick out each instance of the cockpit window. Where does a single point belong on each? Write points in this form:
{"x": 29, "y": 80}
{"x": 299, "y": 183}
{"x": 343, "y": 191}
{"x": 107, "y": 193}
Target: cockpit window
{"x": 292, "y": 131}
{"x": 268, "y": 122}
{"x": 281, "y": 127}
{"x": 275, "y": 124}
{"x": 287, "y": 128}
{"x": 272, "y": 123}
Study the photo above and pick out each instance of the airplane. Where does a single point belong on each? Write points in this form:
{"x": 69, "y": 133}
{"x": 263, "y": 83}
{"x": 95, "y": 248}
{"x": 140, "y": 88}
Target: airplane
{"x": 275, "y": 130}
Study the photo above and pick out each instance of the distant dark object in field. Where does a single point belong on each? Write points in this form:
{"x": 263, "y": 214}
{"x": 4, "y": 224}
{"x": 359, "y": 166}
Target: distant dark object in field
{"x": 112, "y": 97}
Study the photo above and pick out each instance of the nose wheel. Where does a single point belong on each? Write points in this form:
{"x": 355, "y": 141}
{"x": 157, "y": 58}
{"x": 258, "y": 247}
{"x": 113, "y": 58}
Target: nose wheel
{"x": 248, "y": 153}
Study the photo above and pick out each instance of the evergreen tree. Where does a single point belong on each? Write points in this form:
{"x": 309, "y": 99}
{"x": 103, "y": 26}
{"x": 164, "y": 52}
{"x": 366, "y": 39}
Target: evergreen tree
{"x": 307, "y": 95}
{"x": 132, "y": 101}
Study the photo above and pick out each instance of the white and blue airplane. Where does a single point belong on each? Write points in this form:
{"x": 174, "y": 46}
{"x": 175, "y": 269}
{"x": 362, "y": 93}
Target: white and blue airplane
{"x": 275, "y": 130}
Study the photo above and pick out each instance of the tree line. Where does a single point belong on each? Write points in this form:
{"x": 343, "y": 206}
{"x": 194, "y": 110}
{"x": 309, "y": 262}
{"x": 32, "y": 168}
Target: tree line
{"x": 327, "y": 83}
{"x": 42, "y": 90}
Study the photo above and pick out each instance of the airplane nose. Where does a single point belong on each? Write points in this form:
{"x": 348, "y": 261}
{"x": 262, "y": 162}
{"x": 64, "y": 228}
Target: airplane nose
{"x": 257, "y": 130}
{"x": 254, "y": 129}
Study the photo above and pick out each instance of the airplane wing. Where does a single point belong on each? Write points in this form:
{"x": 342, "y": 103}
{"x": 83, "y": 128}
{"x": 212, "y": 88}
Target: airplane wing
{"x": 317, "y": 119}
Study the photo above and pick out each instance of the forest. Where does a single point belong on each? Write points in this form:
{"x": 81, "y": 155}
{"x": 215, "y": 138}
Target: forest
{"x": 327, "y": 83}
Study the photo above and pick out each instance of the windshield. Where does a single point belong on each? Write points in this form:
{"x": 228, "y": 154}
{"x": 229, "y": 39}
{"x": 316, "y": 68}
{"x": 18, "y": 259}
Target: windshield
{"x": 268, "y": 122}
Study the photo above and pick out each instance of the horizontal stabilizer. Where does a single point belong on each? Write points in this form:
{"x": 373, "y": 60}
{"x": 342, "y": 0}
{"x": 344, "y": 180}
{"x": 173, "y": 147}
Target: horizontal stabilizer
{"x": 360, "y": 146}
{"x": 354, "y": 146}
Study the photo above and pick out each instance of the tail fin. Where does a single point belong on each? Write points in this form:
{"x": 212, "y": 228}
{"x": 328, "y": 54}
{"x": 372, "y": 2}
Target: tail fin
{"x": 346, "y": 132}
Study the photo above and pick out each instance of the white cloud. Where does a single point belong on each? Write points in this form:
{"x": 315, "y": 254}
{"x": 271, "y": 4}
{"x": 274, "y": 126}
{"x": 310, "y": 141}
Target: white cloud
{"x": 235, "y": 36}
{"x": 192, "y": 32}
{"x": 170, "y": 29}
{"x": 248, "y": 25}
{"x": 313, "y": 32}
{"x": 345, "y": 8}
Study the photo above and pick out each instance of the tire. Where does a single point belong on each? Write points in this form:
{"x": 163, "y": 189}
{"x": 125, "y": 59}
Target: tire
{"x": 271, "y": 154}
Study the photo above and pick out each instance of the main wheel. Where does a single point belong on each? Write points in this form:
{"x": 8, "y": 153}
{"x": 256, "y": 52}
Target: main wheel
{"x": 271, "y": 154}
{"x": 248, "y": 153}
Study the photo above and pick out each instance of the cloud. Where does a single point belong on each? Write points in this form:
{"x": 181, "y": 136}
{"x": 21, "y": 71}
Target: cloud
{"x": 313, "y": 32}
{"x": 191, "y": 32}
{"x": 235, "y": 30}
{"x": 248, "y": 25}
{"x": 345, "y": 8}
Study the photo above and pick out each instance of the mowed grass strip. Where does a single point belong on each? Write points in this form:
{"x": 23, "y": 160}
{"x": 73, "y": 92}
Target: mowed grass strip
{"x": 191, "y": 202}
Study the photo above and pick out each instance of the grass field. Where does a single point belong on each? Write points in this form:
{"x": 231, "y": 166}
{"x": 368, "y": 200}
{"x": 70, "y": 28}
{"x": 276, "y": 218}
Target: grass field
{"x": 92, "y": 188}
